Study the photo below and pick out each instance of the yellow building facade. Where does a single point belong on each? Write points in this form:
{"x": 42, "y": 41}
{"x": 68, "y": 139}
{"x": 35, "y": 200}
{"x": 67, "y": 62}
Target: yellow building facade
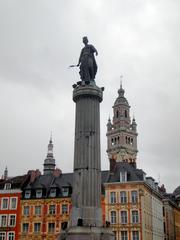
{"x": 134, "y": 211}
{"x": 43, "y": 218}
{"x": 177, "y": 222}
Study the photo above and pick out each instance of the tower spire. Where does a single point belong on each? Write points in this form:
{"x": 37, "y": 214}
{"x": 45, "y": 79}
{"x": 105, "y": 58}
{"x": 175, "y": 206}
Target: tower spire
{"x": 6, "y": 173}
{"x": 122, "y": 132}
{"x": 49, "y": 162}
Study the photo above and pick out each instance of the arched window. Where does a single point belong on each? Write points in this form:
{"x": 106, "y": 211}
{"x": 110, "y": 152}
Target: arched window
{"x": 113, "y": 217}
{"x": 123, "y": 197}
{"x": 117, "y": 114}
{"x": 125, "y": 113}
{"x": 123, "y": 217}
{"x": 113, "y": 197}
{"x": 134, "y": 197}
{"x": 135, "y": 216}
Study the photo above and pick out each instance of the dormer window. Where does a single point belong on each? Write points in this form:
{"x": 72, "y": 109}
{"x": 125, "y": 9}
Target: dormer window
{"x": 7, "y": 186}
{"x": 123, "y": 176}
{"x": 144, "y": 176}
{"x": 27, "y": 194}
{"x": 65, "y": 191}
{"x": 53, "y": 192}
{"x": 39, "y": 193}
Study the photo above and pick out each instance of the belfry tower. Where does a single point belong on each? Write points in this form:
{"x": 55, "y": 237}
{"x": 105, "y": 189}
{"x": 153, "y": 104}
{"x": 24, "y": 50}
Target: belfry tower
{"x": 122, "y": 132}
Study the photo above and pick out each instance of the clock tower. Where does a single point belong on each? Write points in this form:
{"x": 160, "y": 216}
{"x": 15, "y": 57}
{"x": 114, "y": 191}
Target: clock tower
{"x": 122, "y": 132}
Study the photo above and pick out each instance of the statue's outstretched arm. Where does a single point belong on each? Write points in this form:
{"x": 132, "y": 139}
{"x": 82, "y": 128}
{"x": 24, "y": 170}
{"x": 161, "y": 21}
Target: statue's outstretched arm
{"x": 79, "y": 59}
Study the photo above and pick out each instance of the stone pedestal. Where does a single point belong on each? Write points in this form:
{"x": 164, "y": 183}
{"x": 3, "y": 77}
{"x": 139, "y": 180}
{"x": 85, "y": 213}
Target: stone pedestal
{"x": 90, "y": 233}
{"x": 86, "y": 215}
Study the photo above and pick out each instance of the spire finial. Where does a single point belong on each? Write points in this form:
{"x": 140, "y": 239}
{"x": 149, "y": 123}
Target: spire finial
{"x": 121, "y": 80}
{"x": 50, "y": 137}
{"x": 121, "y": 90}
{"x": 133, "y": 117}
{"x": 6, "y": 173}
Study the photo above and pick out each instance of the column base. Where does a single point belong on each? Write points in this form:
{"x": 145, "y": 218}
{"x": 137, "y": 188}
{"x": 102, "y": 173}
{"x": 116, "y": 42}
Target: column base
{"x": 87, "y": 233}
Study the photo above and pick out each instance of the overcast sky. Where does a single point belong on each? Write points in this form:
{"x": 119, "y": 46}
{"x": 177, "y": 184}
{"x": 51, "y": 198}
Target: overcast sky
{"x": 138, "y": 39}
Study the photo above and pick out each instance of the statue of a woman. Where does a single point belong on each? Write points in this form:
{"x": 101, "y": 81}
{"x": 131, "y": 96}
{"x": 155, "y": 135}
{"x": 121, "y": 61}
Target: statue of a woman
{"x": 87, "y": 62}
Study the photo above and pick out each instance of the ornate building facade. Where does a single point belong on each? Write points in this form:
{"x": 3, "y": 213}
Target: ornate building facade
{"x": 45, "y": 207}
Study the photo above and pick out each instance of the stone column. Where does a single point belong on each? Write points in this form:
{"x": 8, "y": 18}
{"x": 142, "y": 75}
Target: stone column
{"x": 86, "y": 215}
{"x": 87, "y": 165}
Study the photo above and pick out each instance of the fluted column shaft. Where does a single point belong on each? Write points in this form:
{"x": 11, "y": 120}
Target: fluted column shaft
{"x": 87, "y": 164}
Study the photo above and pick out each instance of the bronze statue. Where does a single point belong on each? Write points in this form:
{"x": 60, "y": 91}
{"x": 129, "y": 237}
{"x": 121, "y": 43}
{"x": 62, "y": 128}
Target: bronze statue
{"x": 87, "y": 62}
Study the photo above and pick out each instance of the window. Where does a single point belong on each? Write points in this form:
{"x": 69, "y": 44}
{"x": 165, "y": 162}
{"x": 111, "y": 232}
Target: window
{"x": 52, "y": 209}
{"x": 12, "y": 220}
{"x": 2, "y": 235}
{"x": 53, "y": 192}
{"x": 113, "y": 197}
{"x": 37, "y": 210}
{"x": 4, "y": 203}
{"x": 113, "y": 217}
{"x": 27, "y": 194}
{"x": 135, "y": 216}
{"x": 25, "y": 227}
{"x": 64, "y": 225}
{"x": 125, "y": 113}
{"x": 64, "y": 208}
{"x": 26, "y": 211}
{"x": 13, "y": 203}
{"x": 123, "y": 176}
{"x": 3, "y": 220}
{"x": 124, "y": 235}
{"x": 39, "y": 193}
{"x": 123, "y": 217}
{"x": 117, "y": 114}
{"x": 11, "y": 236}
{"x": 123, "y": 197}
{"x": 134, "y": 197}
{"x": 65, "y": 191}
{"x": 51, "y": 227}
{"x": 37, "y": 227}
{"x": 7, "y": 186}
{"x": 135, "y": 235}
